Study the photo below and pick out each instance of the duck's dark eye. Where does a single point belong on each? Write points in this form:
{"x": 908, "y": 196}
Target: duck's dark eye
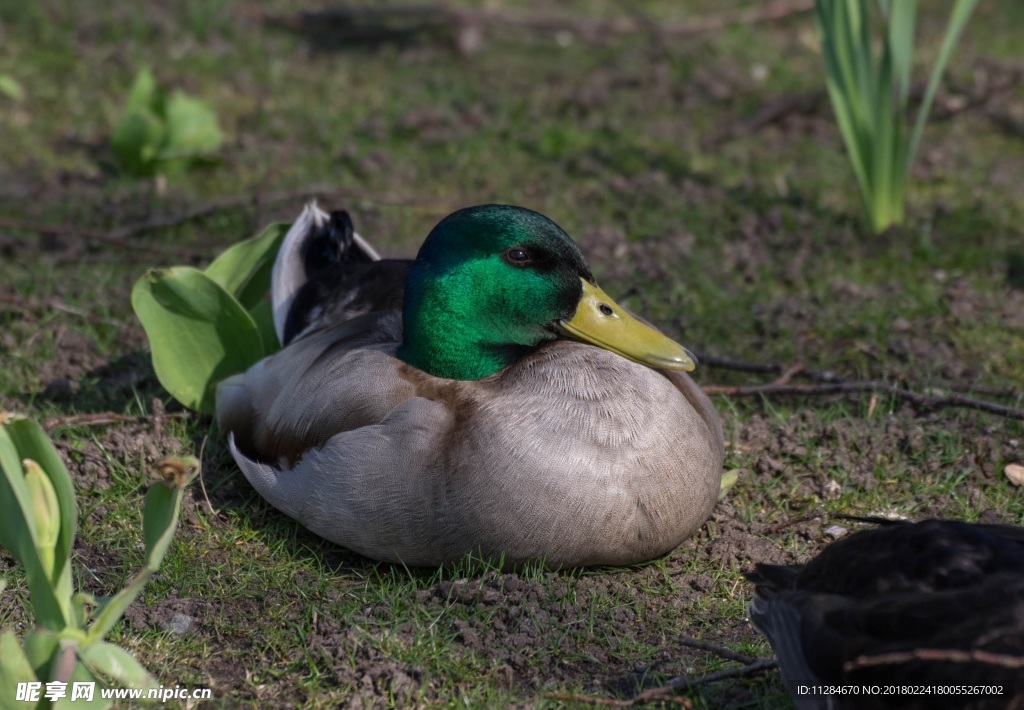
{"x": 517, "y": 256}
{"x": 606, "y": 309}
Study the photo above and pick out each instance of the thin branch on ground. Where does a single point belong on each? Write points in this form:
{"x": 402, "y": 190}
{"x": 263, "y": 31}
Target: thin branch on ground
{"x": 37, "y": 308}
{"x": 675, "y": 685}
{"x": 918, "y": 399}
{"x": 714, "y": 648}
{"x": 789, "y": 373}
{"x": 666, "y": 693}
{"x": 122, "y": 236}
{"x": 372, "y": 23}
{"x": 948, "y": 655}
{"x": 590, "y": 699}
{"x": 771, "y": 112}
{"x": 786, "y": 524}
{"x": 202, "y": 485}
{"x": 827, "y": 382}
{"x": 101, "y": 419}
{"x": 727, "y": 363}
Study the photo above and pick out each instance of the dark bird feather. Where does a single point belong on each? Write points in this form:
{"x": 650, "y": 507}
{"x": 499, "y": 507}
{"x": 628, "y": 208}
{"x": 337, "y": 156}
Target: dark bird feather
{"x": 929, "y": 604}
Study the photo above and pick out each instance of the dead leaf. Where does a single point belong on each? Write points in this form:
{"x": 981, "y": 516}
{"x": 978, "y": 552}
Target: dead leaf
{"x": 1015, "y": 472}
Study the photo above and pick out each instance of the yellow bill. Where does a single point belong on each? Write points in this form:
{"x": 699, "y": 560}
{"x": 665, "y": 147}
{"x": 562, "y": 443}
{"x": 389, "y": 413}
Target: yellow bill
{"x": 602, "y": 322}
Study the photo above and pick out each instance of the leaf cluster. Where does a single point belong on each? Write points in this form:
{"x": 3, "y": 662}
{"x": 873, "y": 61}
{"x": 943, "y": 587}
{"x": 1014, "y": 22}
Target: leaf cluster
{"x": 870, "y": 94}
{"x": 38, "y": 519}
{"x": 203, "y": 326}
{"x": 163, "y": 134}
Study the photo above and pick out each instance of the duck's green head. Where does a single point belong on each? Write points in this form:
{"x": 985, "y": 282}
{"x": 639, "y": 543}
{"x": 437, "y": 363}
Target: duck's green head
{"x": 493, "y": 282}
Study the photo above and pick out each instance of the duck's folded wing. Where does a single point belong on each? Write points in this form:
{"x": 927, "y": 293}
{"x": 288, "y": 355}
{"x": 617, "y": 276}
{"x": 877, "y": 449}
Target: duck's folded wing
{"x": 352, "y": 489}
{"x": 334, "y": 380}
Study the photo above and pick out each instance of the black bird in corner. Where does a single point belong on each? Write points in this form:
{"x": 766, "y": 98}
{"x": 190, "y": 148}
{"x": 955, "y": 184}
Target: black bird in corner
{"x": 904, "y": 615}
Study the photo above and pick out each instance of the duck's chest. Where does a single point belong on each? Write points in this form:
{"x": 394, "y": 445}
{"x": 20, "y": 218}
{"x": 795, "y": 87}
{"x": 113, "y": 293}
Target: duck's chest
{"x": 584, "y": 409}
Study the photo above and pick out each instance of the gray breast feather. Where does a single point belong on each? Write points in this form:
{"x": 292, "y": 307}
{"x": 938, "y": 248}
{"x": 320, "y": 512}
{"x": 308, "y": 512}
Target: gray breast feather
{"x": 574, "y": 454}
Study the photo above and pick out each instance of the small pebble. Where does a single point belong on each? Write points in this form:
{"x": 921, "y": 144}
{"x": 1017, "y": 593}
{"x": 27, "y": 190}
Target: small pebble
{"x": 836, "y": 531}
{"x": 179, "y": 624}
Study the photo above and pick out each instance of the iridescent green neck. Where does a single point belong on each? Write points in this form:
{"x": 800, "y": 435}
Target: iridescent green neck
{"x": 471, "y": 307}
{"x": 447, "y": 336}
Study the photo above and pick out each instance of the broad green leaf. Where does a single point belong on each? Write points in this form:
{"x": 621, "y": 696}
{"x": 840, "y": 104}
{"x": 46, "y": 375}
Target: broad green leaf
{"x": 39, "y": 649}
{"x": 137, "y": 141}
{"x": 244, "y": 269}
{"x": 263, "y": 316}
{"x": 197, "y": 331}
{"x": 81, "y": 674}
{"x": 143, "y": 94}
{"x": 900, "y": 20}
{"x": 192, "y": 128}
{"x": 116, "y": 663}
{"x": 14, "y": 668}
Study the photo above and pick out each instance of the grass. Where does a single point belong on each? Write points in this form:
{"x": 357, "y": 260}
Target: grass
{"x": 744, "y": 250}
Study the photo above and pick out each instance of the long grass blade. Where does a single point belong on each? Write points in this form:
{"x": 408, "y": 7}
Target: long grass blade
{"x": 957, "y": 20}
{"x": 838, "y": 35}
{"x": 870, "y": 93}
{"x": 899, "y": 19}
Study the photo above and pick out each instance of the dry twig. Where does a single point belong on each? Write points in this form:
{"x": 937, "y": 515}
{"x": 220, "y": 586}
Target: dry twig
{"x": 38, "y": 308}
{"x": 918, "y": 399}
{"x": 684, "y": 683}
{"x": 827, "y": 382}
{"x": 949, "y": 655}
{"x": 122, "y": 236}
{"x": 202, "y": 485}
{"x": 786, "y": 524}
{"x": 714, "y": 648}
{"x": 369, "y": 23}
{"x": 666, "y": 693}
{"x": 101, "y": 419}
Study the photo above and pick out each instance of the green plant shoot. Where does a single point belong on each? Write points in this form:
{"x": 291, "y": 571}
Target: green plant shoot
{"x": 163, "y": 134}
{"x": 37, "y": 526}
{"x": 870, "y": 94}
{"x": 203, "y": 326}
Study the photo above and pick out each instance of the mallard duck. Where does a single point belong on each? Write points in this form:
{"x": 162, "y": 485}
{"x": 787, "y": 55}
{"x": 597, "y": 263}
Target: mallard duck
{"x": 487, "y": 397}
{"x": 929, "y": 604}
